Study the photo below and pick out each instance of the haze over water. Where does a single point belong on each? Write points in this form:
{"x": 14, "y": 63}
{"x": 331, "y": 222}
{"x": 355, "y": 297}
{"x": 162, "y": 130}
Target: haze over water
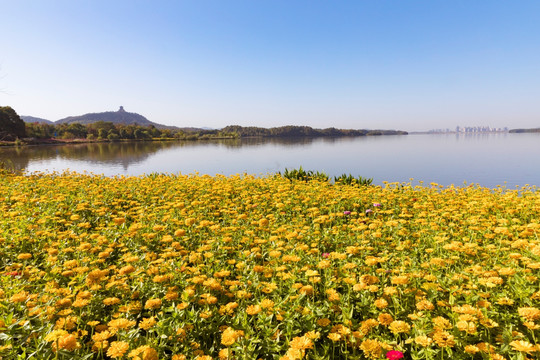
{"x": 486, "y": 159}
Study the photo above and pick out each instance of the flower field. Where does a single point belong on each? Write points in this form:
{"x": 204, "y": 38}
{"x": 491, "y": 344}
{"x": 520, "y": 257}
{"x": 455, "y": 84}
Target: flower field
{"x": 242, "y": 267}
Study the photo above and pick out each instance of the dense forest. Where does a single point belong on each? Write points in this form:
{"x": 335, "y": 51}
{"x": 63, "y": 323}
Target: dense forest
{"x": 303, "y": 131}
{"x": 102, "y": 130}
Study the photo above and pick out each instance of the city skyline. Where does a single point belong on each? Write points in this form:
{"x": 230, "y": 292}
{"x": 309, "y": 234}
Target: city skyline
{"x": 471, "y": 129}
{"x": 410, "y": 66}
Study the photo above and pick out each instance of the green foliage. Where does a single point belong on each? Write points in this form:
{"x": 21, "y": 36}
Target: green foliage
{"x": 303, "y": 131}
{"x": 40, "y": 130}
{"x": 351, "y": 180}
{"x": 11, "y": 125}
{"x": 309, "y": 175}
{"x": 302, "y": 175}
{"x": 113, "y": 136}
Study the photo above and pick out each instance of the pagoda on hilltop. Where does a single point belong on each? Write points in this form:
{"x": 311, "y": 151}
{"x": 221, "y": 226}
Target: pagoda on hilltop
{"x": 121, "y": 109}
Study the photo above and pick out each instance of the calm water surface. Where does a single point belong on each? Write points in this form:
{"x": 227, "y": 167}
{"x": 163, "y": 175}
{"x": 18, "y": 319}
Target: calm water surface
{"x": 488, "y": 159}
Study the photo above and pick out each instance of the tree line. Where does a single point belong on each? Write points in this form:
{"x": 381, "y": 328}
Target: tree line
{"x": 12, "y": 127}
{"x": 104, "y": 130}
{"x": 303, "y": 131}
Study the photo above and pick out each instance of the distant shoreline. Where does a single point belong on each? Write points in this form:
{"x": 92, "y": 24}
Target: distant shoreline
{"x": 54, "y": 141}
{"x": 457, "y": 133}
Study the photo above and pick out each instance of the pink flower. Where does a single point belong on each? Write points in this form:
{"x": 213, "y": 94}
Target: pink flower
{"x": 325, "y": 255}
{"x": 377, "y": 204}
{"x": 346, "y": 212}
{"x": 394, "y": 355}
{"x": 368, "y": 211}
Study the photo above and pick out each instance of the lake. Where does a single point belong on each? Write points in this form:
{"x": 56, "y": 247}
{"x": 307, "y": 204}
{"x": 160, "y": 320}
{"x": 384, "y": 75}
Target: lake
{"x": 486, "y": 159}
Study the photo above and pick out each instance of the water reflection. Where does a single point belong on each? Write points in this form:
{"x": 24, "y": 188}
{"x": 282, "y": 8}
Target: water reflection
{"x": 486, "y": 159}
{"x": 125, "y": 154}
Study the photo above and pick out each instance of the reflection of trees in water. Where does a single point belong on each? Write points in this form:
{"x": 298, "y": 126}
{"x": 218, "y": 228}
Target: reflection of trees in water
{"x": 287, "y": 142}
{"x": 14, "y": 158}
{"x": 129, "y": 153}
{"x": 115, "y": 153}
{"x": 123, "y": 154}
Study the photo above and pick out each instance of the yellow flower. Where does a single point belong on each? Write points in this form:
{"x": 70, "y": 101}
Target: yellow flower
{"x": 468, "y": 327}
{"x": 223, "y": 354}
{"x": 67, "y": 342}
{"x": 204, "y": 357}
{"x": 153, "y": 304}
{"x": 147, "y": 323}
{"x": 523, "y": 346}
{"x": 229, "y": 336}
{"x": 399, "y": 326}
{"x": 443, "y": 339}
{"x": 119, "y": 220}
{"x": 423, "y": 340}
{"x": 385, "y": 319}
{"x": 144, "y": 352}
{"x": 471, "y": 349}
{"x": 111, "y": 301}
{"x": 228, "y": 309}
{"x": 121, "y": 324}
{"x": 149, "y": 354}
{"x": 306, "y": 290}
{"x": 103, "y": 335}
{"x": 381, "y": 303}
{"x": 128, "y": 269}
{"x": 267, "y": 304}
{"x": 400, "y": 280}
{"x": 55, "y": 335}
{"x": 301, "y": 343}
{"x": 371, "y": 348}
{"x": 333, "y": 295}
{"x": 425, "y": 305}
{"x": 180, "y": 232}
{"x": 21, "y": 296}
{"x": 529, "y": 313}
{"x": 441, "y": 323}
{"x": 334, "y": 337}
{"x": 253, "y": 309}
{"x": 117, "y": 349}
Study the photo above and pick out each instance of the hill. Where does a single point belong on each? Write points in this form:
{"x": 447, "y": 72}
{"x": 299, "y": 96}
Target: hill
{"x": 116, "y": 117}
{"x": 33, "y": 119}
{"x": 120, "y": 117}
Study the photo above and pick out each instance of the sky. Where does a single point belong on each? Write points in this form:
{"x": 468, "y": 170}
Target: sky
{"x": 360, "y": 64}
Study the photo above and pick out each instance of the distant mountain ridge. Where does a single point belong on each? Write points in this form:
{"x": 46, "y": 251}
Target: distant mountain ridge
{"x": 116, "y": 117}
{"x": 33, "y": 119}
{"x": 122, "y": 117}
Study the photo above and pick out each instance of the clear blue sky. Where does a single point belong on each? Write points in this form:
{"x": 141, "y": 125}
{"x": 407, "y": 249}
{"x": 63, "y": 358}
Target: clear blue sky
{"x": 410, "y": 65}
